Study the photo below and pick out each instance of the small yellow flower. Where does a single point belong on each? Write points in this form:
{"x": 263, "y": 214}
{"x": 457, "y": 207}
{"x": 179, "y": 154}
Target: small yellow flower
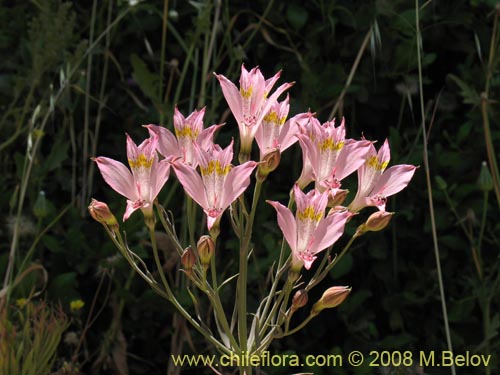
{"x": 21, "y": 302}
{"x": 76, "y": 305}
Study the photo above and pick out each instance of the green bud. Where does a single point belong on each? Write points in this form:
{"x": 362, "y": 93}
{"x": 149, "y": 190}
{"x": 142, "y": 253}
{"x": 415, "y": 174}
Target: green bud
{"x": 485, "y": 181}
{"x": 299, "y": 299}
{"x": 188, "y": 259}
{"x": 332, "y": 297}
{"x": 269, "y": 163}
{"x": 40, "y": 208}
{"x": 205, "y": 248}
{"x": 441, "y": 183}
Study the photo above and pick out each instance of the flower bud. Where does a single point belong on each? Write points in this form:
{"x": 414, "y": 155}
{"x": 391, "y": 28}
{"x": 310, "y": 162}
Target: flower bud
{"x": 101, "y": 213}
{"x": 40, "y": 208}
{"x": 376, "y": 222}
{"x": 441, "y": 183}
{"x": 269, "y": 163}
{"x": 299, "y": 299}
{"x": 188, "y": 259}
{"x": 332, "y": 297}
{"x": 205, "y": 248}
{"x": 485, "y": 181}
{"x": 338, "y": 199}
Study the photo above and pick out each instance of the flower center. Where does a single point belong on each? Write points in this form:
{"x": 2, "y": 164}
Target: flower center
{"x": 374, "y": 163}
{"x": 141, "y": 162}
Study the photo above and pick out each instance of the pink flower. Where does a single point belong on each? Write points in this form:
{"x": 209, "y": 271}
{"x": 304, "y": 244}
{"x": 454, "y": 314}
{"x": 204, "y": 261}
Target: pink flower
{"x": 188, "y": 131}
{"x": 142, "y": 185}
{"x": 220, "y": 183}
{"x": 309, "y": 232}
{"x": 376, "y": 183}
{"x": 329, "y": 156}
{"x": 249, "y": 104}
{"x": 275, "y": 132}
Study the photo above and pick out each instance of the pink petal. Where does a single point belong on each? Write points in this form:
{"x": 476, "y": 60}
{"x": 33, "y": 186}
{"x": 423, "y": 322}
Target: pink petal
{"x": 205, "y": 139}
{"x": 287, "y": 224}
{"x": 159, "y": 175}
{"x": 288, "y": 135}
{"x": 271, "y": 81}
{"x": 384, "y": 154}
{"x": 351, "y": 157}
{"x": 394, "y": 179}
{"x": 132, "y": 206}
{"x": 311, "y": 152}
{"x": 118, "y": 176}
{"x": 167, "y": 143}
{"x": 233, "y": 97}
{"x": 192, "y": 183}
{"x": 236, "y": 182}
{"x": 308, "y": 260}
{"x": 328, "y": 231}
{"x": 212, "y": 220}
{"x": 272, "y": 99}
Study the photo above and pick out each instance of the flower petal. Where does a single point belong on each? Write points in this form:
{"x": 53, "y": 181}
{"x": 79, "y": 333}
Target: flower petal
{"x": 159, "y": 175}
{"x": 237, "y": 180}
{"x": 393, "y": 180}
{"x": 233, "y": 97}
{"x": 287, "y": 224}
{"x": 118, "y": 176}
{"x": 167, "y": 143}
{"x": 351, "y": 157}
{"x": 192, "y": 183}
{"x": 328, "y": 231}
{"x": 132, "y": 206}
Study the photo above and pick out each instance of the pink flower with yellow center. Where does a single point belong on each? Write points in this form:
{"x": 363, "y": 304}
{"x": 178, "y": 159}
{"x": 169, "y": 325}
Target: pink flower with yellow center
{"x": 376, "y": 183}
{"x": 309, "y": 232}
{"x": 219, "y": 184}
{"x": 250, "y": 103}
{"x": 188, "y": 130}
{"x": 142, "y": 183}
{"x": 275, "y": 132}
{"x": 329, "y": 157}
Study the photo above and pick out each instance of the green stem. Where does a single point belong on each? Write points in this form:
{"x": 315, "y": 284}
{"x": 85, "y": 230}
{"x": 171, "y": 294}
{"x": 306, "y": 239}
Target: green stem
{"x": 483, "y": 223}
{"x": 162, "y": 56}
{"x": 429, "y": 187}
{"x": 243, "y": 276}
{"x": 320, "y": 275}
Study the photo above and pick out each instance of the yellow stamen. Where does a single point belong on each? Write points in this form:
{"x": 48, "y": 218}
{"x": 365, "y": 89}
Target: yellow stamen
{"x": 330, "y": 144}
{"x": 375, "y": 164}
{"x": 215, "y": 166}
{"x": 246, "y": 93}
{"x": 140, "y": 162}
{"x": 186, "y": 131}
{"x": 271, "y": 117}
{"x": 310, "y": 214}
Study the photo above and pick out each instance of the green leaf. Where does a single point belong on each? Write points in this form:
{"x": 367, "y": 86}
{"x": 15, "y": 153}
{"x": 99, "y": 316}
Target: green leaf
{"x": 297, "y": 16}
{"x": 469, "y": 95}
{"x": 147, "y": 81}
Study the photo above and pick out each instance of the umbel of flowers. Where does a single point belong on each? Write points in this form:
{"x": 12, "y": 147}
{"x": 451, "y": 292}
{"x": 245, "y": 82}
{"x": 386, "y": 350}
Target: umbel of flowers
{"x": 311, "y": 222}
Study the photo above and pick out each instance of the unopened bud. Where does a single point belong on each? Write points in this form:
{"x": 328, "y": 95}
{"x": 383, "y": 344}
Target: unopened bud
{"x": 485, "y": 181}
{"x": 40, "y": 208}
{"x": 269, "y": 163}
{"x": 299, "y": 299}
{"x": 101, "y": 213}
{"x": 376, "y": 222}
{"x": 205, "y": 248}
{"x": 338, "y": 199}
{"x": 188, "y": 259}
{"x": 332, "y": 297}
{"x": 441, "y": 183}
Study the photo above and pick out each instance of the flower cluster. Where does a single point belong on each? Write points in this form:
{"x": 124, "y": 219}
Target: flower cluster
{"x": 206, "y": 171}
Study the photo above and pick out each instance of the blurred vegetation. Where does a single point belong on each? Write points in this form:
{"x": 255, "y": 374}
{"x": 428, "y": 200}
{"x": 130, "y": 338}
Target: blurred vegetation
{"x": 76, "y": 75}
